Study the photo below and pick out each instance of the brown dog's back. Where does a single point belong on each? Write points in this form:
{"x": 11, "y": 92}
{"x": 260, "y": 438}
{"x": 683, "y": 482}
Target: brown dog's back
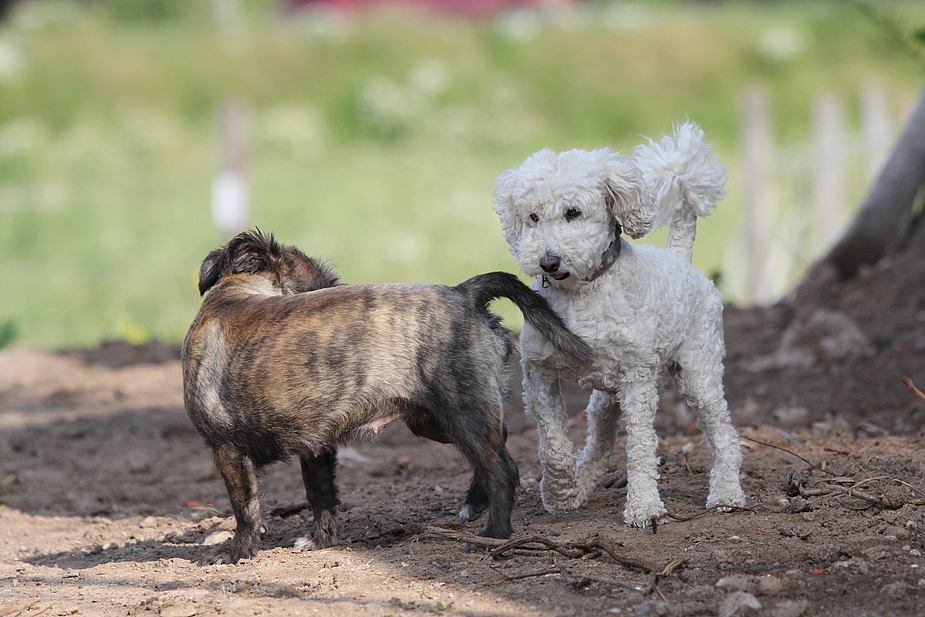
{"x": 318, "y": 368}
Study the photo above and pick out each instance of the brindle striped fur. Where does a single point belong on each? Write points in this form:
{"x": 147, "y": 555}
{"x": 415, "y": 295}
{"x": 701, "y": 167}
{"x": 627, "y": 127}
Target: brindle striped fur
{"x": 282, "y": 360}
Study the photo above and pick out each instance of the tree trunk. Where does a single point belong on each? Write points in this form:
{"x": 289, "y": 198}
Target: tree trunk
{"x": 887, "y": 213}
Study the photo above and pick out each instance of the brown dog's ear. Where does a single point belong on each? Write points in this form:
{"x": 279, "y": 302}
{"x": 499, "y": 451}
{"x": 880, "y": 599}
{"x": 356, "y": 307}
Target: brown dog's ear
{"x": 211, "y": 270}
{"x": 307, "y": 274}
{"x": 252, "y": 251}
{"x": 249, "y": 251}
{"x": 249, "y": 261}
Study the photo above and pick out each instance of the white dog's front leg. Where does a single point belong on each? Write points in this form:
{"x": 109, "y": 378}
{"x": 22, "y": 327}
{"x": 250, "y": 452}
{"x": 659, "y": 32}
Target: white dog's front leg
{"x": 639, "y": 399}
{"x": 603, "y": 414}
{"x": 543, "y": 399}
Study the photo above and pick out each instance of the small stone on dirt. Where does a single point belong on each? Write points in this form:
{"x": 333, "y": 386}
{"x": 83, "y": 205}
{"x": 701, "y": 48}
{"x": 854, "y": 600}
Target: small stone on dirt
{"x": 217, "y": 537}
{"x": 796, "y": 505}
{"x": 738, "y": 603}
{"x": 770, "y": 584}
{"x": 735, "y": 582}
{"x": 93, "y": 549}
{"x": 900, "y": 533}
{"x": 789, "y": 608}
{"x": 895, "y": 590}
{"x": 178, "y": 610}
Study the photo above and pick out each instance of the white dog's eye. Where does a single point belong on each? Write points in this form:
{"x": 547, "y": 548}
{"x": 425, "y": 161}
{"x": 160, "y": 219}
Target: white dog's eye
{"x": 534, "y": 217}
{"x": 572, "y": 213}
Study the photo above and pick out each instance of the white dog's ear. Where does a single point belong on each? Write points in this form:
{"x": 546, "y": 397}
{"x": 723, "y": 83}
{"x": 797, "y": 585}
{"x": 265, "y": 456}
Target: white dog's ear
{"x": 626, "y": 194}
{"x": 507, "y": 187}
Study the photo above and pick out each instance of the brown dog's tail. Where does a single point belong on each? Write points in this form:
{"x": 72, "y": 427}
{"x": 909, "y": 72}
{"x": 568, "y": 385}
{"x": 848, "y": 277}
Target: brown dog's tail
{"x": 484, "y": 288}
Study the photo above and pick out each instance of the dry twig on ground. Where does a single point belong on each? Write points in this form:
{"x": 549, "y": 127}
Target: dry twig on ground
{"x": 20, "y": 609}
{"x": 771, "y": 445}
{"x": 572, "y": 550}
{"x": 684, "y": 519}
{"x": 912, "y": 387}
{"x": 834, "y": 486}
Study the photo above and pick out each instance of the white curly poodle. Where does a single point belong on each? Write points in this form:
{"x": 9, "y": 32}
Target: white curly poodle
{"x": 645, "y": 311}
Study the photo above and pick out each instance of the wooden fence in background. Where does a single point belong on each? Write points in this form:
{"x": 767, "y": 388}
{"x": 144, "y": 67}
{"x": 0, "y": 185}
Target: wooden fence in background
{"x": 797, "y": 199}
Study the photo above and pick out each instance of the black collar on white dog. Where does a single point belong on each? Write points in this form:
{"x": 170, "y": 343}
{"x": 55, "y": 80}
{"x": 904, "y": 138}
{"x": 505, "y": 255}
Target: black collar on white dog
{"x": 610, "y": 254}
{"x": 607, "y": 258}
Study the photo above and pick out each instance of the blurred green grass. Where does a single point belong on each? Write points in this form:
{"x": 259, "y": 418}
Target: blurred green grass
{"x": 373, "y": 142}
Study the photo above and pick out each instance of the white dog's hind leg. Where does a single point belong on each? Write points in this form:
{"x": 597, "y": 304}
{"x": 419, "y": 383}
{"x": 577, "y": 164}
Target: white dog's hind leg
{"x": 723, "y": 441}
{"x": 639, "y": 399}
{"x": 543, "y": 399}
{"x": 702, "y": 387}
{"x": 603, "y": 415}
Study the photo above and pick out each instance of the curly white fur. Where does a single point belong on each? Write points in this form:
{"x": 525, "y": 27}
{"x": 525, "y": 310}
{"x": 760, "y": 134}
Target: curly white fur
{"x": 648, "y": 312}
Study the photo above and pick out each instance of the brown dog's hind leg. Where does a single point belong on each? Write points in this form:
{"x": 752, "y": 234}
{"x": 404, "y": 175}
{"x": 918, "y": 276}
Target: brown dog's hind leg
{"x": 504, "y": 479}
{"x": 497, "y": 475}
{"x": 495, "y": 478}
{"x": 240, "y": 476}
{"x": 477, "y": 497}
{"x": 425, "y": 424}
{"x": 318, "y": 472}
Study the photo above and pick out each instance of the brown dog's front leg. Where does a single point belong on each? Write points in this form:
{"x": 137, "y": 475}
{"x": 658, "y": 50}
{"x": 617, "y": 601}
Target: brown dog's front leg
{"x": 237, "y": 470}
{"x": 318, "y": 473}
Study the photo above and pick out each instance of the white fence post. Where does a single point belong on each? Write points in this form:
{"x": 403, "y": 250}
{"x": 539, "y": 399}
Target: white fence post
{"x": 230, "y": 192}
{"x": 778, "y": 239}
{"x": 876, "y": 128}
{"x": 830, "y": 151}
{"x": 757, "y": 147}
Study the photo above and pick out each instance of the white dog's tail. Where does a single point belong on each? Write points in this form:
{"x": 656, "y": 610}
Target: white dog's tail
{"x": 685, "y": 180}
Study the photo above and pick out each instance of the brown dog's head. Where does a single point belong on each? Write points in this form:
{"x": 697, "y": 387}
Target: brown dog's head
{"x": 251, "y": 252}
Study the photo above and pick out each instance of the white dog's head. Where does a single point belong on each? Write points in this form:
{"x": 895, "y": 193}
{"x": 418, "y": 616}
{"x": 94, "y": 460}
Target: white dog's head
{"x": 562, "y": 212}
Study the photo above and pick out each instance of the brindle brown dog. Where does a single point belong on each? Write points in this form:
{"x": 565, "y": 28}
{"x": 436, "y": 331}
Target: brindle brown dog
{"x": 282, "y": 360}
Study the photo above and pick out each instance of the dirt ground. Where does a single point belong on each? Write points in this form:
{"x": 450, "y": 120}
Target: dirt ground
{"x": 107, "y": 495}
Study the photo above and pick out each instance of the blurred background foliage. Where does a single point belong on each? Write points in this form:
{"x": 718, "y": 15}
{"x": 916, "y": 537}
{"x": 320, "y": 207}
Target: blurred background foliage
{"x": 372, "y": 139}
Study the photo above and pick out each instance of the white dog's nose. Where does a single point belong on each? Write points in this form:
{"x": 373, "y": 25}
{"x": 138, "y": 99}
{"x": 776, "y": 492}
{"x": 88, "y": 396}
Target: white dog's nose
{"x": 550, "y": 263}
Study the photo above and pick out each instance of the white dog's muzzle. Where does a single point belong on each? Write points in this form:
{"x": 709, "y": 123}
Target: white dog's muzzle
{"x": 607, "y": 260}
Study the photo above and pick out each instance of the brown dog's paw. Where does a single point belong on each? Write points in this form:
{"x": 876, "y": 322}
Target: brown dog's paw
{"x": 323, "y": 535}
{"x": 471, "y": 512}
{"x": 217, "y": 557}
{"x": 315, "y": 542}
{"x": 229, "y": 552}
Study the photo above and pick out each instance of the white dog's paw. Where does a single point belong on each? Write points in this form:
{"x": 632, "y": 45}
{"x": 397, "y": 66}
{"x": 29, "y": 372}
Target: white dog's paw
{"x": 732, "y": 496}
{"x": 558, "y": 498}
{"x": 588, "y": 476}
{"x": 555, "y": 505}
{"x": 559, "y": 488}
{"x": 642, "y": 515}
